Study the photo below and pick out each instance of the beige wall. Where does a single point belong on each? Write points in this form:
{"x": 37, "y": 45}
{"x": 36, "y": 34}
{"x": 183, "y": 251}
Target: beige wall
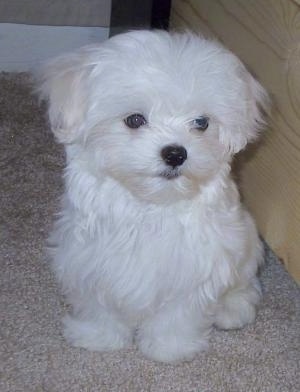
{"x": 265, "y": 34}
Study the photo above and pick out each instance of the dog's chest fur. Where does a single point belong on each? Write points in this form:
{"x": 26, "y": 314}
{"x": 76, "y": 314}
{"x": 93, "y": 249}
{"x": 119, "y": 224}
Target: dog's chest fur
{"x": 137, "y": 256}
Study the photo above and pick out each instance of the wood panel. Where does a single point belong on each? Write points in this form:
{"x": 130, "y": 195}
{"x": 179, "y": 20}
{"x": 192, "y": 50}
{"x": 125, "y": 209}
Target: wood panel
{"x": 265, "y": 34}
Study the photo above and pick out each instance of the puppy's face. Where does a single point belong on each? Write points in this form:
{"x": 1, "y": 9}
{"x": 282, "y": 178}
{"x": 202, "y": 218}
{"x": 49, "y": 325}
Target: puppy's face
{"x": 162, "y": 114}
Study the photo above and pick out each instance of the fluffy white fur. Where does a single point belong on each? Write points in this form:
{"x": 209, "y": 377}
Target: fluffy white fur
{"x": 140, "y": 256}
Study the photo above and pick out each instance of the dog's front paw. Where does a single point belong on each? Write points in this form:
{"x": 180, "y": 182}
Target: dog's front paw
{"x": 95, "y": 336}
{"x": 171, "y": 348}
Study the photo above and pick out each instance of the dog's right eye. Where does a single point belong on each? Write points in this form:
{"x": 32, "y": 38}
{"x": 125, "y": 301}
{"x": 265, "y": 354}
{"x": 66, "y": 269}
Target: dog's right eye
{"x": 135, "y": 121}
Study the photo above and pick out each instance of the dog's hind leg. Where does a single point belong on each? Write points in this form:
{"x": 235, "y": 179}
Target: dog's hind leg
{"x": 236, "y": 307}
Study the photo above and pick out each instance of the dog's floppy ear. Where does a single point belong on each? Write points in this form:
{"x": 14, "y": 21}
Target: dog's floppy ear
{"x": 61, "y": 82}
{"x": 250, "y": 112}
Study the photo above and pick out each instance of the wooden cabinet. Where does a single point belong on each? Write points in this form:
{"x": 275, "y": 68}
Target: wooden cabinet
{"x": 265, "y": 34}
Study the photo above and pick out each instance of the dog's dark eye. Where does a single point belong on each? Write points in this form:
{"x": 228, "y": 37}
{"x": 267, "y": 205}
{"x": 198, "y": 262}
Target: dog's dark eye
{"x": 135, "y": 121}
{"x": 201, "y": 123}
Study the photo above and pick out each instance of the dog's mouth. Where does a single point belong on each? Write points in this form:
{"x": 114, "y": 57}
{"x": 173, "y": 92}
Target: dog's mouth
{"x": 170, "y": 174}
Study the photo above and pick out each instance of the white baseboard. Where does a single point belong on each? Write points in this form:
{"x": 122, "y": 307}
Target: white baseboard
{"x": 23, "y": 47}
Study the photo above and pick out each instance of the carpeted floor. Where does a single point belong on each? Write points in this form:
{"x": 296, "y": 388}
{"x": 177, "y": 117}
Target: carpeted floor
{"x": 263, "y": 357}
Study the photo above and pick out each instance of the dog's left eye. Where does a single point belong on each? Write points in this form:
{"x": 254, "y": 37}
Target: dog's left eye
{"x": 135, "y": 121}
{"x": 201, "y": 123}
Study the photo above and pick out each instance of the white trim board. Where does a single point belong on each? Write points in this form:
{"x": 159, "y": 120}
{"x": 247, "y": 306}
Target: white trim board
{"x": 23, "y": 47}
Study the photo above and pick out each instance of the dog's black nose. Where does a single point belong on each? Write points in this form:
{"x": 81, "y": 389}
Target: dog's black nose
{"x": 174, "y": 155}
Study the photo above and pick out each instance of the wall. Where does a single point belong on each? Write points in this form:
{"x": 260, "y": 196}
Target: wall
{"x": 92, "y": 13}
{"x": 24, "y": 47}
{"x": 34, "y": 30}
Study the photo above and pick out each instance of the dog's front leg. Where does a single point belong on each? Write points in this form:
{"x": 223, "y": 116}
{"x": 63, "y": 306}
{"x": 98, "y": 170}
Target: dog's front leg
{"x": 102, "y": 331}
{"x": 177, "y": 332}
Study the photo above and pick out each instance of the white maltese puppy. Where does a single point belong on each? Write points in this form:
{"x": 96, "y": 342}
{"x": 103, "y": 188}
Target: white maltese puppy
{"x": 152, "y": 243}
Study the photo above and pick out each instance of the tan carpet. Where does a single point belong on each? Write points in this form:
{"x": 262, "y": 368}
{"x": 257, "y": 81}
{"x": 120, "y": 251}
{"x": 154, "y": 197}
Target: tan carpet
{"x": 263, "y": 357}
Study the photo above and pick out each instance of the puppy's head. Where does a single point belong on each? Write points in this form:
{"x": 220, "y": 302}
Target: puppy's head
{"x": 160, "y": 113}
